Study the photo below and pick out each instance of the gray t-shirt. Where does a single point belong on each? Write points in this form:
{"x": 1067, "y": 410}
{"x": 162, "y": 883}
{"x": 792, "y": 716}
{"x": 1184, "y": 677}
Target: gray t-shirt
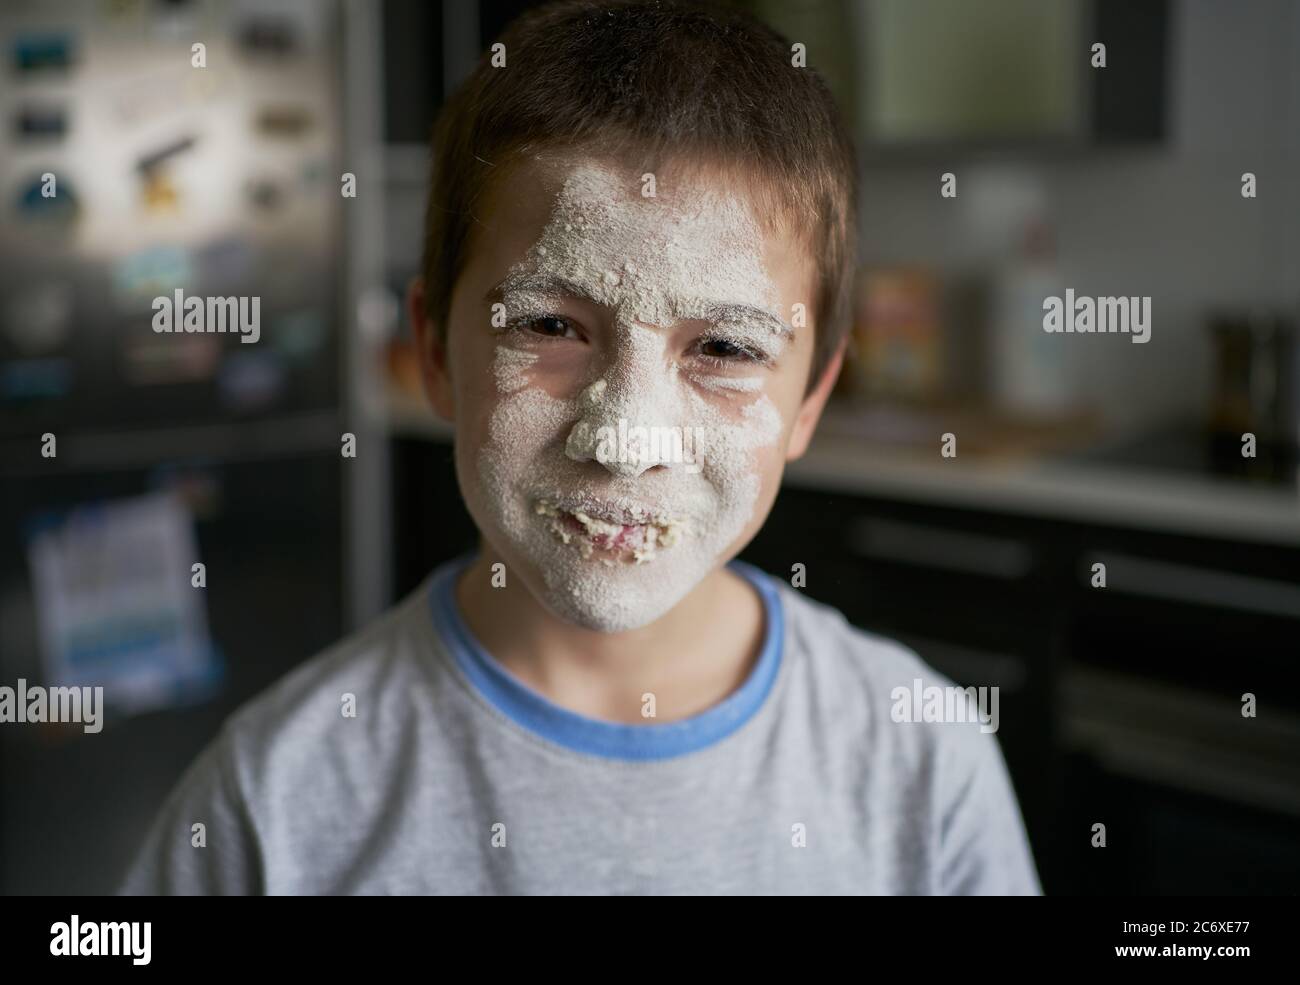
{"x": 452, "y": 776}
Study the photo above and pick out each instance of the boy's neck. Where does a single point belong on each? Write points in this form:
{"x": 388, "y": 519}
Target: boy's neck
{"x": 690, "y": 659}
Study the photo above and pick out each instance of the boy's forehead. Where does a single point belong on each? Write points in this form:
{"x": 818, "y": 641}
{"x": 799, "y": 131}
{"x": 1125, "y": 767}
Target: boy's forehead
{"x": 662, "y": 240}
{"x": 738, "y": 270}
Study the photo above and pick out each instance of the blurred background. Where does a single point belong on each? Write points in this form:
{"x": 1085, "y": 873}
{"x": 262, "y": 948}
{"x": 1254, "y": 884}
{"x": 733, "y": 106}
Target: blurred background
{"x": 1120, "y": 704}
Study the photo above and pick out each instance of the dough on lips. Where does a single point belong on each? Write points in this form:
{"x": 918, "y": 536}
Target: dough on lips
{"x": 654, "y": 534}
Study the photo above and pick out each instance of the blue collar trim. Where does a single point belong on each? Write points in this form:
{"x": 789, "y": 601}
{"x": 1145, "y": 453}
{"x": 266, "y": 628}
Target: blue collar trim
{"x": 613, "y": 740}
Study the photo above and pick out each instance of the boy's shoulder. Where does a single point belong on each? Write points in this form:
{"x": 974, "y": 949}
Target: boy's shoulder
{"x": 280, "y": 761}
{"x": 874, "y": 689}
{"x": 821, "y": 633}
{"x": 930, "y": 742}
{"x": 356, "y": 678}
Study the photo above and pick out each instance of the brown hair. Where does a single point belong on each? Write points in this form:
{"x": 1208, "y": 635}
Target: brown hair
{"x": 697, "y": 84}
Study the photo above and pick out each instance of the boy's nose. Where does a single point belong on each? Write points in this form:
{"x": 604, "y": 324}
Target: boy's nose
{"x": 624, "y": 448}
{"x": 624, "y": 428}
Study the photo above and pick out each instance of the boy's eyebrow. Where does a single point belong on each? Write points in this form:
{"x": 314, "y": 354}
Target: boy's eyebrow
{"x": 549, "y": 283}
{"x": 724, "y": 311}
{"x": 541, "y": 283}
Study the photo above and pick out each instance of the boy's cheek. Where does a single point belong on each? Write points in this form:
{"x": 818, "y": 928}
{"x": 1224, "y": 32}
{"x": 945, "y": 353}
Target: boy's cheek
{"x": 771, "y": 460}
{"x": 770, "y": 472}
{"x": 771, "y": 463}
{"x": 470, "y": 356}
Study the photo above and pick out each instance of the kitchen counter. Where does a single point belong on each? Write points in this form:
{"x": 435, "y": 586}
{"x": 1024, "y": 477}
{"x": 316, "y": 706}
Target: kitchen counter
{"x": 1091, "y": 492}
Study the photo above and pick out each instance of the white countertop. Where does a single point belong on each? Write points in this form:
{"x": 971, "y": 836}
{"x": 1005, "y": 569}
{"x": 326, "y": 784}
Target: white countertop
{"x": 1123, "y": 496}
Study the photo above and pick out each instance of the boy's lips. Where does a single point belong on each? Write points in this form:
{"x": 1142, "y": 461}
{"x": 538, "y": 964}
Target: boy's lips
{"x": 633, "y": 515}
{"x": 610, "y": 540}
{"x": 598, "y": 525}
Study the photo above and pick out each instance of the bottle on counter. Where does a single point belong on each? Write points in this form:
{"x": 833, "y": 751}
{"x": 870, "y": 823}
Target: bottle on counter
{"x": 1029, "y": 367}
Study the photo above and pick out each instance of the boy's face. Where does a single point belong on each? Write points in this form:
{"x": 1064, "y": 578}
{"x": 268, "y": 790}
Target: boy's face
{"x": 626, "y": 372}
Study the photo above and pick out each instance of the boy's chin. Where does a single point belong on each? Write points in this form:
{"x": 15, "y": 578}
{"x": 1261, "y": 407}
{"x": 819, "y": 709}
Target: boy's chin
{"x": 608, "y": 616}
{"x": 616, "y": 597}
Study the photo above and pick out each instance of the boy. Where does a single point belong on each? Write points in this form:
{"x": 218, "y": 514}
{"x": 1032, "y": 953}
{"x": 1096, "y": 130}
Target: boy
{"x": 633, "y": 308}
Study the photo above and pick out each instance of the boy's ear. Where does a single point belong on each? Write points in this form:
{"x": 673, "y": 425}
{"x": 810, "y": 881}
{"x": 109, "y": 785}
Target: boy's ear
{"x": 432, "y": 351}
{"x": 810, "y": 411}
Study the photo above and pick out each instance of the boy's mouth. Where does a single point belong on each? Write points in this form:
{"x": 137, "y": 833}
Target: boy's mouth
{"x": 614, "y": 531}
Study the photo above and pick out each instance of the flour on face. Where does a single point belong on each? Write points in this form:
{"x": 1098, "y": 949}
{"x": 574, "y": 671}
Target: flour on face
{"x": 619, "y": 543}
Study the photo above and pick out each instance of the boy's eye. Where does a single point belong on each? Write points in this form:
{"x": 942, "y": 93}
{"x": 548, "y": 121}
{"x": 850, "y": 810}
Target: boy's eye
{"x": 725, "y": 350}
{"x": 550, "y": 326}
